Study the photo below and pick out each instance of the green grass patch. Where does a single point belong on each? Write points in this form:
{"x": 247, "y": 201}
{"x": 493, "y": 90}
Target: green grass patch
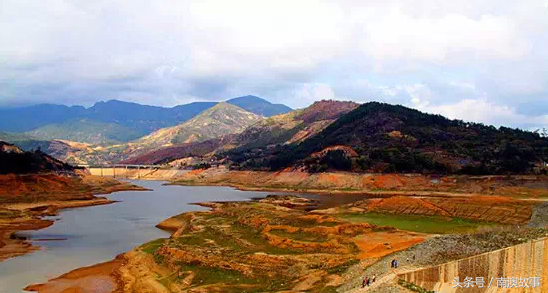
{"x": 167, "y": 281}
{"x": 209, "y": 275}
{"x": 413, "y": 287}
{"x": 159, "y": 259}
{"x": 418, "y": 223}
{"x": 300, "y": 236}
{"x": 343, "y": 267}
{"x": 193, "y": 239}
{"x": 301, "y": 223}
{"x": 152, "y": 246}
{"x": 221, "y": 238}
{"x": 259, "y": 243}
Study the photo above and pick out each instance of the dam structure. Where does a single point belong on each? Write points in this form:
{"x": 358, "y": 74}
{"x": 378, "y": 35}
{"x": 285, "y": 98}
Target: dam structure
{"x": 519, "y": 268}
{"x": 151, "y": 172}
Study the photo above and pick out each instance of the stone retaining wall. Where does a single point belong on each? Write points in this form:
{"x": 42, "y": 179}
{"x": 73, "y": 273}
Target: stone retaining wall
{"x": 524, "y": 260}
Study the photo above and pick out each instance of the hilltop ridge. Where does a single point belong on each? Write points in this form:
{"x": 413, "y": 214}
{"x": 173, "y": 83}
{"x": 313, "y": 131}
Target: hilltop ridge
{"x": 113, "y": 121}
{"x": 379, "y": 137}
{"x": 216, "y": 121}
{"x": 288, "y": 128}
{"x": 13, "y": 160}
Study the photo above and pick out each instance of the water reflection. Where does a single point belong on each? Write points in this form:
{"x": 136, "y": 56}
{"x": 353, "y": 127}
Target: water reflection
{"x": 99, "y": 233}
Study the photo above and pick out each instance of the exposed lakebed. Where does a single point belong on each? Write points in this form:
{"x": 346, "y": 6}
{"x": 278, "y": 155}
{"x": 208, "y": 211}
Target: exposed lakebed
{"x": 85, "y": 236}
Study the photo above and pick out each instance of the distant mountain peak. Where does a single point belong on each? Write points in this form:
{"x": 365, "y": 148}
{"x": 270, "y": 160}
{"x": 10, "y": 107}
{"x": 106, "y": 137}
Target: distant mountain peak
{"x": 326, "y": 110}
{"x": 259, "y": 105}
{"x": 249, "y": 98}
{"x": 219, "y": 120}
{"x": 222, "y": 106}
{"x": 118, "y": 103}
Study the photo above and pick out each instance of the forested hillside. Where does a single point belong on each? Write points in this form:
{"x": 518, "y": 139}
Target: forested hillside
{"x": 378, "y": 137}
{"x": 16, "y": 161}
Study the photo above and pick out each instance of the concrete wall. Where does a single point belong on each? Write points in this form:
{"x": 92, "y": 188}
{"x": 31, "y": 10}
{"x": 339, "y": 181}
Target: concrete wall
{"x": 130, "y": 173}
{"x": 524, "y": 260}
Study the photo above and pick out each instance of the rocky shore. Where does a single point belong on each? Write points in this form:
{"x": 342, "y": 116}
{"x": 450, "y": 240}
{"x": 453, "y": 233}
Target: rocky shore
{"x": 377, "y": 185}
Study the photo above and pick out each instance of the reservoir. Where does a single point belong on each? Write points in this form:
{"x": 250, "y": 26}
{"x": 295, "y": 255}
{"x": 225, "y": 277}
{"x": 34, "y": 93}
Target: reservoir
{"x": 86, "y": 236}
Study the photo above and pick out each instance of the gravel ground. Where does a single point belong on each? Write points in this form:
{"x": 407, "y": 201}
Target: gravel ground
{"x": 439, "y": 250}
{"x": 539, "y": 219}
{"x": 391, "y": 288}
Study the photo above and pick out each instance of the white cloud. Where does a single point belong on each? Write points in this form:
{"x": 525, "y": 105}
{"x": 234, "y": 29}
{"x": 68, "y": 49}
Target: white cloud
{"x": 478, "y": 110}
{"x": 310, "y": 92}
{"x": 444, "y": 40}
{"x": 430, "y": 54}
{"x": 469, "y": 103}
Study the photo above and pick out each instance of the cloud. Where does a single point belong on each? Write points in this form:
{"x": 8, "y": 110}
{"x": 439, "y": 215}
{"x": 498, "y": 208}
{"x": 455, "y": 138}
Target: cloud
{"x": 311, "y": 92}
{"x": 427, "y": 54}
{"x": 468, "y": 103}
{"x": 450, "y": 39}
{"x": 485, "y": 112}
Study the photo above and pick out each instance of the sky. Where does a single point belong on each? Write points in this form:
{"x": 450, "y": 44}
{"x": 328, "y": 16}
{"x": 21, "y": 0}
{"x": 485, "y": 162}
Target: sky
{"x": 484, "y": 61}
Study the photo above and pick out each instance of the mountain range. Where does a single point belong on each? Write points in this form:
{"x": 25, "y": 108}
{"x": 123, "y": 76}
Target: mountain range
{"x": 220, "y": 120}
{"x": 288, "y": 128}
{"x": 378, "y": 137}
{"x": 372, "y": 137}
{"x": 326, "y": 136}
{"x": 113, "y": 121}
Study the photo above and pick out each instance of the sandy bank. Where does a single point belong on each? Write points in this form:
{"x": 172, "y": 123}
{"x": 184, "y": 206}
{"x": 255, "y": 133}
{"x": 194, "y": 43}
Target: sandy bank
{"x": 99, "y": 278}
{"x": 370, "y": 184}
{"x": 30, "y": 219}
{"x": 10, "y": 246}
{"x": 24, "y": 199}
{"x": 293, "y": 249}
{"x": 273, "y": 239}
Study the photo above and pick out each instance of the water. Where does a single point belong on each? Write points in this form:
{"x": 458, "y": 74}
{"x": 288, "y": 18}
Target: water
{"x": 99, "y": 233}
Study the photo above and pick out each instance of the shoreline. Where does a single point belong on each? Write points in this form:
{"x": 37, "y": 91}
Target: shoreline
{"x": 107, "y": 272}
{"x": 13, "y": 247}
{"x": 171, "y": 224}
{"x": 126, "y": 267}
{"x": 29, "y": 217}
{"x": 370, "y": 185}
{"x": 369, "y": 194}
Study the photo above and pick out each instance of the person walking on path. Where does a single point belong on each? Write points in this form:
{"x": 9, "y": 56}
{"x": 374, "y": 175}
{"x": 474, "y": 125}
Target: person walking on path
{"x": 365, "y": 280}
{"x": 373, "y": 279}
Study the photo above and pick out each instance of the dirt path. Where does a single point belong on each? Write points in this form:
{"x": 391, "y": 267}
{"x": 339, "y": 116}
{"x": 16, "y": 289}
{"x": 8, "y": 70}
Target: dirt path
{"x": 387, "y": 279}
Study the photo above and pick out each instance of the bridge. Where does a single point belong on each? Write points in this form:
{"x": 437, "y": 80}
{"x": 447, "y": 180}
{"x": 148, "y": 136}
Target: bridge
{"x": 127, "y": 170}
{"x": 126, "y": 166}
